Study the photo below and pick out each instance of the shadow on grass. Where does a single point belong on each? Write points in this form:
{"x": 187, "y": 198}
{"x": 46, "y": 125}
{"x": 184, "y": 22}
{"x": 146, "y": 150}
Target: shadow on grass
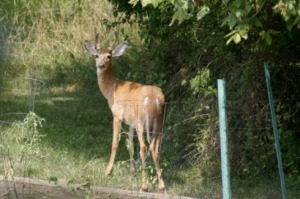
{"x": 79, "y": 122}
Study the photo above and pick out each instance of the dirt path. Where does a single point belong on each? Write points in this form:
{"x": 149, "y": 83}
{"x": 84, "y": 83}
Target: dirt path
{"x": 27, "y": 188}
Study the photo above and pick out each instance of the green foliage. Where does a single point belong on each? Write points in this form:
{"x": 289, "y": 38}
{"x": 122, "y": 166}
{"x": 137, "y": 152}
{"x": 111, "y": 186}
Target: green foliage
{"x": 23, "y": 134}
{"x": 290, "y": 12}
{"x": 19, "y": 142}
{"x": 185, "y": 59}
{"x": 241, "y": 16}
{"x": 201, "y": 84}
{"x": 204, "y": 10}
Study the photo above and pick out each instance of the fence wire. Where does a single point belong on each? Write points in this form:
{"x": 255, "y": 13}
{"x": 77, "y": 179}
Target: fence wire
{"x": 19, "y": 138}
{"x": 17, "y": 104}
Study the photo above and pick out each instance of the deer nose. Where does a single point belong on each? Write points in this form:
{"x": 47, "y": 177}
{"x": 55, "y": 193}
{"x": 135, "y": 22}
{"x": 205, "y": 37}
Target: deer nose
{"x": 101, "y": 66}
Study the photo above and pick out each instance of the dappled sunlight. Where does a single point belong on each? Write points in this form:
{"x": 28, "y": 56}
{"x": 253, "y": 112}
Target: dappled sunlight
{"x": 55, "y": 125}
{"x": 68, "y": 88}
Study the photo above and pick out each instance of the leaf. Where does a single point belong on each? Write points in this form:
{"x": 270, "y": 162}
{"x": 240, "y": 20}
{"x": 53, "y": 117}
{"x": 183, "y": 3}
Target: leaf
{"x": 262, "y": 34}
{"x": 256, "y": 22}
{"x": 231, "y": 21}
{"x": 286, "y": 14}
{"x": 133, "y": 2}
{"x": 237, "y": 3}
{"x": 225, "y": 2}
{"x": 236, "y": 38}
{"x": 266, "y": 35}
{"x": 231, "y": 33}
{"x": 203, "y": 12}
{"x": 225, "y": 21}
{"x": 147, "y": 2}
{"x": 289, "y": 25}
{"x": 185, "y": 5}
{"x": 247, "y": 9}
{"x": 181, "y": 12}
{"x": 242, "y": 30}
{"x": 155, "y": 3}
{"x": 239, "y": 13}
{"x": 297, "y": 20}
{"x": 274, "y": 32}
{"x": 279, "y": 7}
{"x": 243, "y": 33}
{"x": 173, "y": 20}
{"x": 229, "y": 40}
{"x": 268, "y": 38}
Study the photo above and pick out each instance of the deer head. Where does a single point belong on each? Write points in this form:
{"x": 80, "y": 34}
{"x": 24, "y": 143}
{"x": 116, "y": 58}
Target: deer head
{"x": 104, "y": 57}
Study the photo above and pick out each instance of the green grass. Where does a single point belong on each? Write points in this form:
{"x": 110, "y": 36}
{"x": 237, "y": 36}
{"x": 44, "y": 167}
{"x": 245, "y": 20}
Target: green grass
{"x": 75, "y": 148}
{"x": 44, "y": 41}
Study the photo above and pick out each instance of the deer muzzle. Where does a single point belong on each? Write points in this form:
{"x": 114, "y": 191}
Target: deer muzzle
{"x": 101, "y": 66}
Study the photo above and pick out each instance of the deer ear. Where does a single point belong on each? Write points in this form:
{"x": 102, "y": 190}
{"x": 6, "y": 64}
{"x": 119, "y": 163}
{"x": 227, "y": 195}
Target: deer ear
{"x": 119, "y": 50}
{"x": 90, "y": 47}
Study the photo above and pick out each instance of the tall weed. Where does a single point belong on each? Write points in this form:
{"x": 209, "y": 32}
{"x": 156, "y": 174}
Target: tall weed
{"x": 50, "y": 34}
{"x": 19, "y": 142}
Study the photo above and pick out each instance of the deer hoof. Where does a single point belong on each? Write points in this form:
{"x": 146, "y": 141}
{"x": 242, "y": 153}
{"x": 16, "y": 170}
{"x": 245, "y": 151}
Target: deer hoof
{"x": 108, "y": 173}
{"x": 132, "y": 171}
{"x": 144, "y": 189}
{"x": 163, "y": 190}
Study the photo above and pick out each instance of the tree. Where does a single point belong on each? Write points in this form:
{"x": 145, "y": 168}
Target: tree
{"x": 243, "y": 17}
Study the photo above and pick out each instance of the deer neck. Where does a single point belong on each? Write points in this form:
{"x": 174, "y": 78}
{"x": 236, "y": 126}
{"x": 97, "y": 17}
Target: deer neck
{"x": 107, "y": 82}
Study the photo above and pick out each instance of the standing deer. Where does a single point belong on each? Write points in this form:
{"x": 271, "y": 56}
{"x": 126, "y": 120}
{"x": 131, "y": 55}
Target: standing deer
{"x": 139, "y": 106}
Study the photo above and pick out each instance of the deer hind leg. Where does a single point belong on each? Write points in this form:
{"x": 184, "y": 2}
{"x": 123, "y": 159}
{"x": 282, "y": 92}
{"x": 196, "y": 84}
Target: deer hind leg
{"x": 154, "y": 148}
{"x": 114, "y": 147}
{"x": 139, "y": 130}
{"x": 131, "y": 151}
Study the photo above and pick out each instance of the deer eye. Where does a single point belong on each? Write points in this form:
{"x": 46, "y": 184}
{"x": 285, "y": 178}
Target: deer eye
{"x": 108, "y": 56}
{"x": 97, "y": 56}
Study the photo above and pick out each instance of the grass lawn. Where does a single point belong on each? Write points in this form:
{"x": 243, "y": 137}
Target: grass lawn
{"x": 73, "y": 147}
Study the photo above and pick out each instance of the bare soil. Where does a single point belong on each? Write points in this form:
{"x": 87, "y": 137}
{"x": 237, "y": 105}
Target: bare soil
{"x": 26, "y": 188}
{"x": 22, "y": 190}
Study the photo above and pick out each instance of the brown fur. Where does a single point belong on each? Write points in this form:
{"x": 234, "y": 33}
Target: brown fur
{"x": 140, "y": 106}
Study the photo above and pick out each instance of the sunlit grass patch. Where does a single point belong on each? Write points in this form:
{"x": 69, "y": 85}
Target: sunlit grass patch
{"x": 44, "y": 40}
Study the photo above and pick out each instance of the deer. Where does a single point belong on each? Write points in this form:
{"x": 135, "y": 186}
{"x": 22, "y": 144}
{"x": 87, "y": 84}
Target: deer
{"x": 142, "y": 107}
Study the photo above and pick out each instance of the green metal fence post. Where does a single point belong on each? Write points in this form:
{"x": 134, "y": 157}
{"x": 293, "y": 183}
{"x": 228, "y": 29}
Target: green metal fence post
{"x": 275, "y": 130}
{"x": 224, "y": 140}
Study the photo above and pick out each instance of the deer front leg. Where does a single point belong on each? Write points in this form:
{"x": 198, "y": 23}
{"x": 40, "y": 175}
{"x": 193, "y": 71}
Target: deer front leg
{"x": 114, "y": 147}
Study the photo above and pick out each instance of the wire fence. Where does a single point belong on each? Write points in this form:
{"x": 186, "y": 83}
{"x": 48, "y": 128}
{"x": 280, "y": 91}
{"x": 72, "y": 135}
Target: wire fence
{"x": 79, "y": 130}
{"x": 17, "y": 119}
{"x": 20, "y": 138}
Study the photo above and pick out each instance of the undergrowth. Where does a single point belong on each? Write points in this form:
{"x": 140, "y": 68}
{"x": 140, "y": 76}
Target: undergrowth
{"x": 64, "y": 130}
